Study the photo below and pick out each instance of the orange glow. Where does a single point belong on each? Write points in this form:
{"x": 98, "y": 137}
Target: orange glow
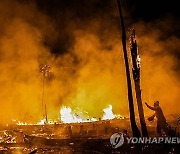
{"x": 90, "y": 75}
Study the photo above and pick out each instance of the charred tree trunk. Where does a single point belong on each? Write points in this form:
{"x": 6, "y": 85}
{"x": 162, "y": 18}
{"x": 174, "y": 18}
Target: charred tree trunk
{"x": 135, "y": 130}
{"x": 136, "y": 77}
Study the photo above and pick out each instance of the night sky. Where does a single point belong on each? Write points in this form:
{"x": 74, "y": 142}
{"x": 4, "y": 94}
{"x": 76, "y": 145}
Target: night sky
{"x": 78, "y": 13}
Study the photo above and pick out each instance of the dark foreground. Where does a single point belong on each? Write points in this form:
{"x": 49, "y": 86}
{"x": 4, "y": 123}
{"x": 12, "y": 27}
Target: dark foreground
{"x": 83, "y": 146}
{"x": 75, "y": 138}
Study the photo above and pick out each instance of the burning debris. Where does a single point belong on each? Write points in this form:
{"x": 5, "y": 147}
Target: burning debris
{"x": 108, "y": 114}
{"x": 7, "y": 137}
{"x": 68, "y": 116}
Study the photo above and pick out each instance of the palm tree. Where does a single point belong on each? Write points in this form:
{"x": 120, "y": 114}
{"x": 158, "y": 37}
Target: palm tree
{"x": 135, "y": 130}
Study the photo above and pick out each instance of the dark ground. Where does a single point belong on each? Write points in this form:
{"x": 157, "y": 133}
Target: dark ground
{"x": 89, "y": 138}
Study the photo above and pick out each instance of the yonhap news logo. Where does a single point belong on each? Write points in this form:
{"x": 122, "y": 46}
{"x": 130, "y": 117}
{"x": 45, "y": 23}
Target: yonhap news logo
{"x": 118, "y": 139}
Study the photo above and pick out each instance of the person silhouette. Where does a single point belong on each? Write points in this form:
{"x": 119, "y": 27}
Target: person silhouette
{"x": 161, "y": 120}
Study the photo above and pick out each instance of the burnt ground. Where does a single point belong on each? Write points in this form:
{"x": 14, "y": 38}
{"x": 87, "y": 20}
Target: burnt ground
{"x": 74, "y": 138}
{"x": 86, "y": 146}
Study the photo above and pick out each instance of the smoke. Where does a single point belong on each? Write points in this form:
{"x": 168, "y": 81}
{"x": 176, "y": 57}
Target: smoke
{"x": 159, "y": 49}
{"x": 85, "y": 55}
{"x": 22, "y": 50}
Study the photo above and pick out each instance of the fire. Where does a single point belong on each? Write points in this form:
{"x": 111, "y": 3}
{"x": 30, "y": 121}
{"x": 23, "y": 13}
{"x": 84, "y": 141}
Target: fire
{"x": 19, "y": 122}
{"x": 108, "y": 114}
{"x": 42, "y": 122}
{"x": 67, "y": 116}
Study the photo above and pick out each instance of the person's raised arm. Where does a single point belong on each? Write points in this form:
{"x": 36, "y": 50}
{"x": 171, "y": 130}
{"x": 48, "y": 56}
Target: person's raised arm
{"x": 150, "y": 107}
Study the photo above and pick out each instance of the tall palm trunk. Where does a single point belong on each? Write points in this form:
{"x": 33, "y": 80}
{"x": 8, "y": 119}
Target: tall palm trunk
{"x": 135, "y": 130}
{"x": 136, "y": 77}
